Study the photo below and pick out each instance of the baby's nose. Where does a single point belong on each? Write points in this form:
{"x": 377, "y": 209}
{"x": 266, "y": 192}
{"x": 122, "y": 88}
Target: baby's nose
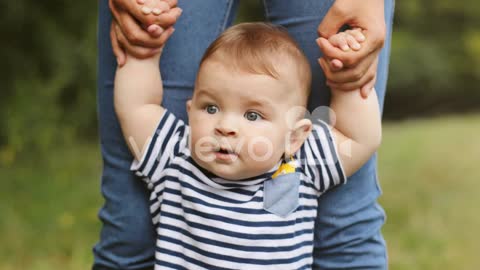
{"x": 226, "y": 127}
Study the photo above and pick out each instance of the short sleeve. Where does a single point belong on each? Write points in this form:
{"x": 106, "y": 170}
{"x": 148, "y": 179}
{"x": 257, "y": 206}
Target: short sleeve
{"x": 318, "y": 158}
{"x": 168, "y": 140}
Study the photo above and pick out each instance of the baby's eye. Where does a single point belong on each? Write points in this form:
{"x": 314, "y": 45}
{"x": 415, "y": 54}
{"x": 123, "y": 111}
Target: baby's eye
{"x": 252, "y": 116}
{"x": 211, "y": 109}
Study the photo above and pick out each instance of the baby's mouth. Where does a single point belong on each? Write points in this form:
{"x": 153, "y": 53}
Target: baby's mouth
{"x": 225, "y": 154}
{"x": 225, "y": 151}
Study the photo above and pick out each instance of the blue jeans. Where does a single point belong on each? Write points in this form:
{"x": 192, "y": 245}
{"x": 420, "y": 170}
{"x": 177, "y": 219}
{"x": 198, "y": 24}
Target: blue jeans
{"x": 349, "y": 218}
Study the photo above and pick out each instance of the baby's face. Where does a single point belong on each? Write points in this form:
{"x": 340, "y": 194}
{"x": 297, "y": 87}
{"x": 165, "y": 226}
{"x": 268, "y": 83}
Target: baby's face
{"x": 238, "y": 120}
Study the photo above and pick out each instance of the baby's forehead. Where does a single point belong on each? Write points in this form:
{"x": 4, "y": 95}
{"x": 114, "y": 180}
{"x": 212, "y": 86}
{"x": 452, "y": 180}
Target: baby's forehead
{"x": 285, "y": 72}
{"x": 220, "y": 81}
{"x": 275, "y": 65}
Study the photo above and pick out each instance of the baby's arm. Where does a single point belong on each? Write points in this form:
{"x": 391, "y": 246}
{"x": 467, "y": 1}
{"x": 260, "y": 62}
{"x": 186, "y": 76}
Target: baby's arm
{"x": 356, "y": 121}
{"x": 137, "y": 97}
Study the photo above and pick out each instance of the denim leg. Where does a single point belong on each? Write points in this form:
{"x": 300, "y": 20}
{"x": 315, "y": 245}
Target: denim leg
{"x": 127, "y": 238}
{"x": 347, "y": 233}
{"x": 201, "y": 22}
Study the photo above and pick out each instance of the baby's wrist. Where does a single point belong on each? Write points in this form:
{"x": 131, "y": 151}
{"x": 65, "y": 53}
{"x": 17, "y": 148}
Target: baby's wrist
{"x": 335, "y": 91}
{"x": 157, "y": 56}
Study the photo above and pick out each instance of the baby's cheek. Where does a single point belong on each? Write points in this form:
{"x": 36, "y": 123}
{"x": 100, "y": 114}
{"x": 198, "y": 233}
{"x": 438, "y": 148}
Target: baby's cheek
{"x": 260, "y": 149}
{"x": 201, "y": 147}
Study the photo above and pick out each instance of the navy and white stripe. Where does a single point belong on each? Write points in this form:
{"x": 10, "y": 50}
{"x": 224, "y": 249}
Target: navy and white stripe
{"x": 204, "y": 222}
{"x": 319, "y": 159}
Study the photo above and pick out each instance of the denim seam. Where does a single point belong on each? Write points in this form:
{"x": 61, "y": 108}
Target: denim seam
{"x": 385, "y": 217}
{"x": 389, "y": 49}
{"x": 265, "y": 8}
{"x": 228, "y": 10}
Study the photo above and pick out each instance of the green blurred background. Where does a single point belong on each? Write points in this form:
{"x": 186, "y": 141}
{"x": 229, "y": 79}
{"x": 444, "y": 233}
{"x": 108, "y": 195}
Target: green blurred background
{"x": 50, "y": 162}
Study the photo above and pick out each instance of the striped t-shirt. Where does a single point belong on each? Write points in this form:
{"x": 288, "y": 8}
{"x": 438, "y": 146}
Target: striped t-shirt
{"x": 205, "y": 222}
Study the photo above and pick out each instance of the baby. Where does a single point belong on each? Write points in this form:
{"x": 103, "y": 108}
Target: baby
{"x": 237, "y": 188}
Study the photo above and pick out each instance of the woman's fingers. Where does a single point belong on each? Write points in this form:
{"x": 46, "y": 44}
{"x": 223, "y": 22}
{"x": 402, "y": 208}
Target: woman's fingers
{"x": 171, "y": 3}
{"x": 155, "y": 7}
{"x": 347, "y": 74}
{"x": 167, "y": 19}
{"x": 357, "y": 84}
{"x": 137, "y": 36}
{"x": 137, "y": 51}
{"x": 360, "y": 77}
{"x": 127, "y": 33}
{"x": 155, "y": 30}
{"x": 349, "y": 58}
{"x": 117, "y": 50}
{"x": 145, "y": 17}
{"x": 368, "y": 87}
{"x": 166, "y": 35}
{"x": 134, "y": 33}
{"x": 336, "y": 65}
{"x": 125, "y": 21}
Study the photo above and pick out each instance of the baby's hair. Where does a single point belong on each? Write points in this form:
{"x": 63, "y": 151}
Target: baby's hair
{"x": 259, "y": 48}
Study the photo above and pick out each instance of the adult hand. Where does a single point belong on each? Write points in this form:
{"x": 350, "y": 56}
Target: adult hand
{"x": 350, "y": 70}
{"x": 141, "y": 35}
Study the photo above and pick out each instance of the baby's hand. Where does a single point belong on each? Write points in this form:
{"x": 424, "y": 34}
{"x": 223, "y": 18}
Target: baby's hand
{"x": 349, "y": 39}
{"x": 155, "y": 8}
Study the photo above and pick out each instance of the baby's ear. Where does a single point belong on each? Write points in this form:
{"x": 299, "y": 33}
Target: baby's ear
{"x": 297, "y": 136}
{"x": 189, "y": 105}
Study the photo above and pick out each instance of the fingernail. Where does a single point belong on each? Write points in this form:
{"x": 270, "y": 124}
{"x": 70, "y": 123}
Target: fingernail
{"x": 154, "y": 28}
{"x": 146, "y": 10}
{"x": 345, "y": 48}
{"x": 141, "y": 2}
{"x": 366, "y": 92}
{"x": 156, "y": 11}
{"x": 356, "y": 46}
{"x": 361, "y": 37}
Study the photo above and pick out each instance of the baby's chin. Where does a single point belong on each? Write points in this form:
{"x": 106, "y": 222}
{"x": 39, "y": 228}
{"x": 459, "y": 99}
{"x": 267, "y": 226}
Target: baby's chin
{"x": 229, "y": 176}
{"x": 226, "y": 172}
{"x": 231, "y": 171}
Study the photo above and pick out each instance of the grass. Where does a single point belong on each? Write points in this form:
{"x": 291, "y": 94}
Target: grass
{"x": 48, "y": 207}
{"x": 429, "y": 174}
{"x": 428, "y": 171}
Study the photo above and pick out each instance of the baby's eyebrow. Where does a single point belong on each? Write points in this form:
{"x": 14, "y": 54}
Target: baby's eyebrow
{"x": 260, "y": 103}
{"x": 205, "y": 92}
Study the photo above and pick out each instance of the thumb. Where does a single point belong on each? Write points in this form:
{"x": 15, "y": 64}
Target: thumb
{"x": 336, "y": 64}
{"x": 331, "y": 23}
{"x": 155, "y": 30}
{"x": 117, "y": 49}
